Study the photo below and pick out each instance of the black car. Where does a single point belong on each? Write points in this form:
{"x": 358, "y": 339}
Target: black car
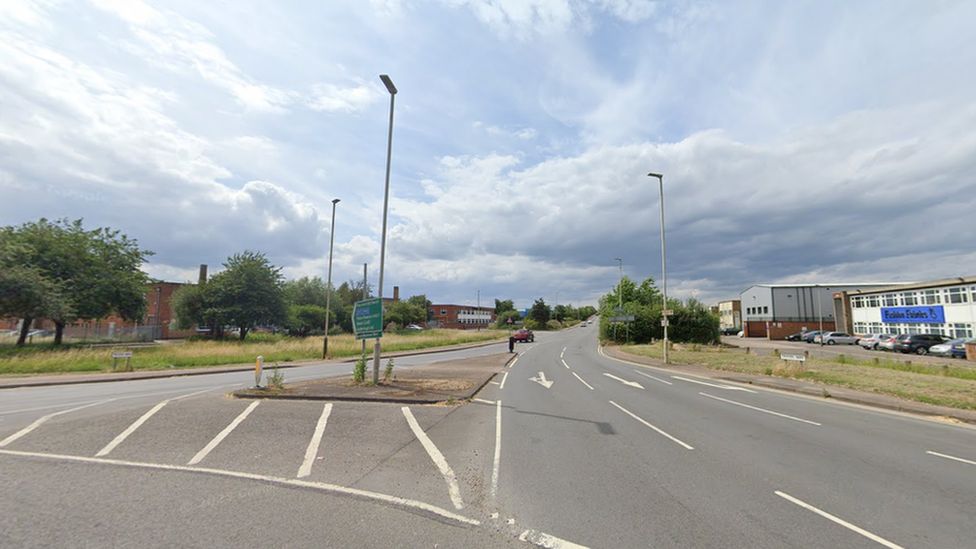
{"x": 794, "y": 337}
{"x": 807, "y": 337}
{"x": 917, "y": 343}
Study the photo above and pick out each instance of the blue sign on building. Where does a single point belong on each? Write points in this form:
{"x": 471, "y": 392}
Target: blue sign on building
{"x": 934, "y": 314}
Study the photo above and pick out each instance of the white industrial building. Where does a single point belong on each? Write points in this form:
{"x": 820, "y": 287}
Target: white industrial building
{"x": 945, "y": 307}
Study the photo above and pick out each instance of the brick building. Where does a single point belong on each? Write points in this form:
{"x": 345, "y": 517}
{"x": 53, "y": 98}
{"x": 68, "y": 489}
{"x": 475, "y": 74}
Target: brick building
{"x": 460, "y": 317}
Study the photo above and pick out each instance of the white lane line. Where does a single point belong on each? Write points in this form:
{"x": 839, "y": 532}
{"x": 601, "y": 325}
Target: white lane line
{"x": 624, "y": 381}
{"x": 131, "y": 429}
{"x": 758, "y": 409}
{"x": 659, "y": 431}
{"x": 41, "y": 420}
{"x": 502, "y": 384}
{"x": 482, "y": 400}
{"x": 564, "y": 363}
{"x": 561, "y": 352}
{"x": 512, "y": 365}
{"x": 223, "y": 434}
{"x": 542, "y": 539}
{"x": 494, "y": 382}
{"x": 664, "y": 381}
{"x": 322, "y": 486}
{"x": 437, "y": 457}
{"x": 727, "y": 387}
{"x": 842, "y": 522}
{"x": 498, "y": 449}
{"x": 581, "y": 381}
{"x": 950, "y": 457}
{"x": 313, "y": 445}
{"x": 181, "y": 397}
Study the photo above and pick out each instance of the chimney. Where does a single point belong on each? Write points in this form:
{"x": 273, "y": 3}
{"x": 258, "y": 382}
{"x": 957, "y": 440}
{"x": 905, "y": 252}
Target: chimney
{"x": 396, "y": 294}
{"x": 203, "y": 274}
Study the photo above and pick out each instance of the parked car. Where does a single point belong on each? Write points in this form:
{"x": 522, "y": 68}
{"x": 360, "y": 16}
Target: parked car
{"x": 807, "y": 337}
{"x": 917, "y": 343}
{"x": 955, "y": 348}
{"x": 833, "y": 338}
{"x": 871, "y": 341}
{"x": 524, "y": 335}
{"x": 794, "y": 337}
{"x": 887, "y": 343}
{"x": 416, "y": 327}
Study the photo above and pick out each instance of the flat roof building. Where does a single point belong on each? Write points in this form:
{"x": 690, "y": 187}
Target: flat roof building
{"x": 460, "y": 317}
{"x": 730, "y": 315}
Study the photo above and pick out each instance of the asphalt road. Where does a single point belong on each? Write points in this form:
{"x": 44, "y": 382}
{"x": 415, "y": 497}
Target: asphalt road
{"x": 567, "y": 446}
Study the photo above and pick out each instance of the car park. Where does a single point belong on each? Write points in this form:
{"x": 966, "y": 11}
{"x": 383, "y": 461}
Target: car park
{"x": 888, "y": 343}
{"x": 871, "y": 341}
{"x": 955, "y": 348}
{"x": 834, "y": 338}
{"x": 917, "y": 343}
{"x": 794, "y": 337}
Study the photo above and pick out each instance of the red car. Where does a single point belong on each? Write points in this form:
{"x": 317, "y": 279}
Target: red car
{"x": 524, "y": 335}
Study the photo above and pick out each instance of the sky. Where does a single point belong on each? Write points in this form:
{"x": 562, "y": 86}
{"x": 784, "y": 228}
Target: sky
{"x": 799, "y": 141}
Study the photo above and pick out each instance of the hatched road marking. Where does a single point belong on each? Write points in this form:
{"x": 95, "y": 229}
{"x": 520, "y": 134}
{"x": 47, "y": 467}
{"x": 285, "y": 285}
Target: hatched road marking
{"x": 223, "y": 434}
{"x": 946, "y": 456}
{"x": 41, "y": 420}
{"x": 758, "y": 409}
{"x": 437, "y": 457}
{"x": 664, "y": 381}
{"x": 590, "y": 387}
{"x": 138, "y": 423}
{"x": 313, "y": 445}
{"x": 659, "y": 431}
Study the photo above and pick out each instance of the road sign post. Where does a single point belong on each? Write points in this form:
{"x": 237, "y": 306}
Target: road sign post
{"x": 367, "y": 318}
{"x": 127, "y": 355}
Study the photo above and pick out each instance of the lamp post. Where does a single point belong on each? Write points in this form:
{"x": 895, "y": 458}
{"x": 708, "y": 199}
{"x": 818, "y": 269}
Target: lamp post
{"x": 664, "y": 268}
{"x": 820, "y": 314}
{"x": 386, "y": 201}
{"x": 620, "y": 294}
{"x": 328, "y": 284}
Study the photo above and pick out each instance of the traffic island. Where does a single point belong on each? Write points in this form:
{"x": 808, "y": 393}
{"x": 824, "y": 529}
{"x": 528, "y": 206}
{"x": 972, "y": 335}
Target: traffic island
{"x": 446, "y": 381}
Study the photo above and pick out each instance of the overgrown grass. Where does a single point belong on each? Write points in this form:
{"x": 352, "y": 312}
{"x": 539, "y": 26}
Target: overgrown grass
{"x": 944, "y": 385}
{"x": 189, "y": 354}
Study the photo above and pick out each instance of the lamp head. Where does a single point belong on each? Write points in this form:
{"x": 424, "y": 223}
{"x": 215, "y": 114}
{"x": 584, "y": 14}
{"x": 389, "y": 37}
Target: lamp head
{"x": 388, "y": 83}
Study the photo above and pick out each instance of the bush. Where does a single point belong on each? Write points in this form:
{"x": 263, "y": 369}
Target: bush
{"x": 530, "y": 324}
{"x": 554, "y": 325}
{"x": 359, "y": 371}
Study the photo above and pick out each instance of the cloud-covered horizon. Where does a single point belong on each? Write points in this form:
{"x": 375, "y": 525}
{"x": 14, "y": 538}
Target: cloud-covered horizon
{"x": 798, "y": 143}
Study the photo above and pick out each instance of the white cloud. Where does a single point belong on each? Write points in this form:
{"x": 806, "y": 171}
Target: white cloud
{"x": 332, "y": 98}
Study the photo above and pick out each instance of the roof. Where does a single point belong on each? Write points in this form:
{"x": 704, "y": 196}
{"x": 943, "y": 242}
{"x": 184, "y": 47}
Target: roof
{"x": 827, "y": 285}
{"x": 920, "y": 285}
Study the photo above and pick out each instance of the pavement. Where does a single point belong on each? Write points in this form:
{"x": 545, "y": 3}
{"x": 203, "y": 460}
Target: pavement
{"x": 444, "y": 381}
{"x": 807, "y": 388}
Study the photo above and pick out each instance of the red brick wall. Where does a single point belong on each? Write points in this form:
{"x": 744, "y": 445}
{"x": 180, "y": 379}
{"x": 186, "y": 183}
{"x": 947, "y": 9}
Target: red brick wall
{"x": 779, "y": 330}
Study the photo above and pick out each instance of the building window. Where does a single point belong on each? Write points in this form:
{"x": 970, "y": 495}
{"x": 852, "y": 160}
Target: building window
{"x": 957, "y": 295}
{"x": 962, "y": 330}
{"x": 932, "y": 297}
{"x": 765, "y": 310}
{"x": 909, "y": 298}
{"x": 443, "y": 311}
{"x": 872, "y": 301}
{"x": 890, "y": 300}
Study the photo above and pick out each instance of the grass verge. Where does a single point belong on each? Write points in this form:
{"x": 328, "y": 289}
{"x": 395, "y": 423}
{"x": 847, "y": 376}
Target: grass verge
{"x": 190, "y": 354}
{"x": 953, "y": 386}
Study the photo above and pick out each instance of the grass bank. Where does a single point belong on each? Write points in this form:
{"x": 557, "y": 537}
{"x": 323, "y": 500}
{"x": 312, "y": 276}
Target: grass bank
{"x": 953, "y": 386}
{"x": 75, "y": 359}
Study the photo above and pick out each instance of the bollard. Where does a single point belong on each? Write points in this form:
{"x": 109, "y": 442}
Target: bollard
{"x": 747, "y": 350}
{"x": 258, "y": 364}
{"x": 806, "y": 353}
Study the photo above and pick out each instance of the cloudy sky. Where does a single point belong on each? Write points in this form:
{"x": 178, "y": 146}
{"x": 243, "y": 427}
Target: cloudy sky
{"x": 800, "y": 141}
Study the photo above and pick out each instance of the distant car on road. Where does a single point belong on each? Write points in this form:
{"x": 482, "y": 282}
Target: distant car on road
{"x": 524, "y": 335}
{"x": 871, "y": 341}
{"x": 917, "y": 343}
{"x": 955, "y": 348}
{"x": 833, "y": 338}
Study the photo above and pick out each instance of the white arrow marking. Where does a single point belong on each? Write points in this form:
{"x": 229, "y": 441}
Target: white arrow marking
{"x": 541, "y": 380}
{"x": 624, "y": 381}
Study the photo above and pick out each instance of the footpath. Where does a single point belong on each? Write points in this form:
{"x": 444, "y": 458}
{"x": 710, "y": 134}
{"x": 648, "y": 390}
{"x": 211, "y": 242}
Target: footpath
{"x": 43, "y": 380}
{"x": 833, "y": 392}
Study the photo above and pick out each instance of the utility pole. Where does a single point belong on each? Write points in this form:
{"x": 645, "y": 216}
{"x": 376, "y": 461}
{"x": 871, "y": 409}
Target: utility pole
{"x": 365, "y": 295}
{"x": 386, "y": 202}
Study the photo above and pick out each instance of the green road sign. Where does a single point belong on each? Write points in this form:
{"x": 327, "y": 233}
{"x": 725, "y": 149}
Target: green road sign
{"x": 367, "y": 318}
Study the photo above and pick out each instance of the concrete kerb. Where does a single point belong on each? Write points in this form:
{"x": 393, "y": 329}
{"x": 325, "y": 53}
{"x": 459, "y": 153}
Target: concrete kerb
{"x": 833, "y": 392}
{"x": 205, "y": 370}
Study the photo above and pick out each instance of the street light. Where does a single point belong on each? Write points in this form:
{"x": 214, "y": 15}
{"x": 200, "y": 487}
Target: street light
{"x": 386, "y": 201}
{"x": 664, "y": 268}
{"x": 328, "y": 285}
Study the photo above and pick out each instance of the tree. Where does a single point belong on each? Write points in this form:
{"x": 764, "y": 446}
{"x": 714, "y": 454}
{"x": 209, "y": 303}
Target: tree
{"x": 404, "y": 313}
{"x": 247, "y": 293}
{"x": 502, "y": 306}
{"x": 96, "y": 272}
{"x": 306, "y": 291}
{"x": 303, "y": 320}
{"x": 539, "y": 312}
{"x": 422, "y": 302}
{"x": 502, "y": 319}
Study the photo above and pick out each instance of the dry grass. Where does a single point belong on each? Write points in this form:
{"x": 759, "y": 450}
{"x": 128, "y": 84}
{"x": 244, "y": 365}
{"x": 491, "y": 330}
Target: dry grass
{"x": 215, "y": 353}
{"x": 942, "y": 385}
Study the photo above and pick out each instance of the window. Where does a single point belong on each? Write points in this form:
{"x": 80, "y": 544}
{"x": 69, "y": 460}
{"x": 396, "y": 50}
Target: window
{"x": 872, "y": 301}
{"x": 890, "y": 300}
{"x": 937, "y": 329}
{"x": 909, "y": 298}
{"x": 932, "y": 297}
{"x": 443, "y": 311}
{"x": 957, "y": 295}
{"x": 765, "y": 310}
{"x": 856, "y": 302}
{"x": 962, "y": 330}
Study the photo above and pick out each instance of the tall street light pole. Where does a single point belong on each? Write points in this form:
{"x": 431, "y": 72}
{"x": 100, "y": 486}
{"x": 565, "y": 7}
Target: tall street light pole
{"x": 620, "y": 294}
{"x": 664, "y": 267}
{"x": 328, "y": 285}
{"x": 386, "y": 201}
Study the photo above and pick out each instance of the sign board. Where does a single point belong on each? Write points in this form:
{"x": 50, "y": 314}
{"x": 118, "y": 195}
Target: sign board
{"x": 664, "y": 321}
{"x": 621, "y": 318}
{"x": 510, "y": 321}
{"x": 126, "y": 354}
{"x": 668, "y": 312}
{"x": 934, "y": 314}
{"x": 367, "y": 318}
{"x": 794, "y": 357}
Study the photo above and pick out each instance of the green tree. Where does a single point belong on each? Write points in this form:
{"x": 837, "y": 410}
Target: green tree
{"x": 502, "y": 306}
{"x": 404, "y": 313}
{"x": 502, "y": 318}
{"x": 303, "y": 320}
{"x": 247, "y": 293}
{"x": 305, "y": 291}
{"x": 539, "y": 313}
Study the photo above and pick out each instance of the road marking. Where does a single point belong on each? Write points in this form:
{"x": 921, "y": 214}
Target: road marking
{"x": 548, "y": 541}
{"x": 126, "y": 397}
{"x": 758, "y": 409}
{"x": 494, "y": 382}
{"x": 437, "y": 457}
{"x": 666, "y": 382}
{"x": 41, "y": 420}
{"x": 727, "y": 387}
{"x": 564, "y": 363}
{"x": 561, "y": 352}
{"x": 498, "y": 449}
{"x": 512, "y": 365}
{"x": 581, "y": 381}
{"x": 131, "y": 429}
{"x": 629, "y": 413}
{"x": 502, "y": 384}
{"x": 950, "y": 457}
{"x": 624, "y": 381}
{"x": 322, "y": 486}
{"x": 313, "y": 445}
{"x": 541, "y": 380}
{"x": 482, "y": 400}
{"x": 842, "y": 522}
{"x": 223, "y": 434}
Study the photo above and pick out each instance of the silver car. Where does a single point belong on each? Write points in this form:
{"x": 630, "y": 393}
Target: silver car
{"x": 871, "y": 341}
{"x": 887, "y": 344}
{"x": 834, "y": 338}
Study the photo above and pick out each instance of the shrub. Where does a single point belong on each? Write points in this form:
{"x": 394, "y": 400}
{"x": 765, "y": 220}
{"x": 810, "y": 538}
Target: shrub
{"x": 359, "y": 371}
{"x": 554, "y": 325}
